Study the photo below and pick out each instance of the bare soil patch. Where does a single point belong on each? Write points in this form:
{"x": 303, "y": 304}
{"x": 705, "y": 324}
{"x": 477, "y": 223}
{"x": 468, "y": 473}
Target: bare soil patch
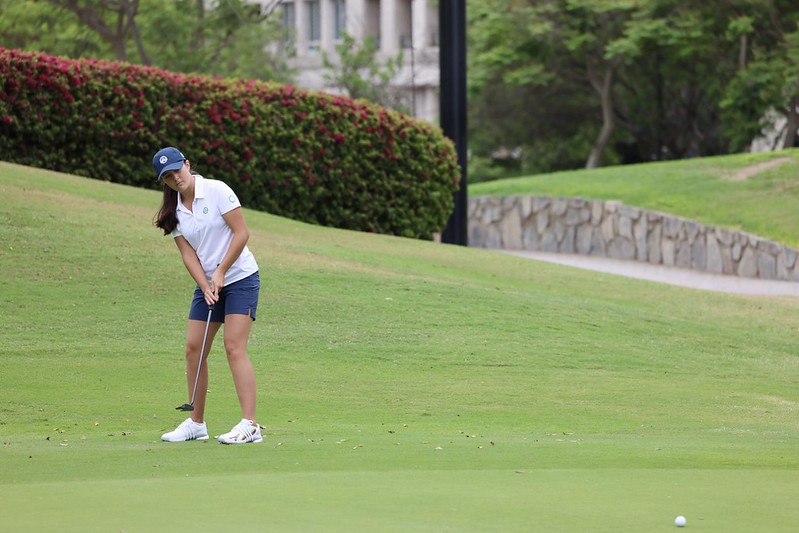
{"x": 745, "y": 173}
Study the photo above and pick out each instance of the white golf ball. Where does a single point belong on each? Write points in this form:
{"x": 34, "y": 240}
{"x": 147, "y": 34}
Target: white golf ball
{"x": 680, "y": 521}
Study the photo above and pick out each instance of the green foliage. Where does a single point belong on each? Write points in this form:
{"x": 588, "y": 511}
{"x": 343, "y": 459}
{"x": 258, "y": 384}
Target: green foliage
{"x": 308, "y": 156}
{"x": 230, "y": 39}
{"x": 687, "y": 78}
{"x": 361, "y": 74}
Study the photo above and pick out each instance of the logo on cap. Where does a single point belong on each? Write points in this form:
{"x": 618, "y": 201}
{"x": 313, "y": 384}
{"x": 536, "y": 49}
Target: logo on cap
{"x": 163, "y": 159}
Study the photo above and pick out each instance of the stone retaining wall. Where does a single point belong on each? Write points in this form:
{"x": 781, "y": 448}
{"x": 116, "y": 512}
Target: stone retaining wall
{"x": 612, "y": 229}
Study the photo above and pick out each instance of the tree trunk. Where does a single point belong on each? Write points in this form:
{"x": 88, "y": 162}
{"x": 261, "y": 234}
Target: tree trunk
{"x": 91, "y": 15}
{"x": 793, "y": 123}
{"x": 604, "y": 89}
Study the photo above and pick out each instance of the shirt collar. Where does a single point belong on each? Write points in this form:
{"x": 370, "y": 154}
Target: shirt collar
{"x": 199, "y": 186}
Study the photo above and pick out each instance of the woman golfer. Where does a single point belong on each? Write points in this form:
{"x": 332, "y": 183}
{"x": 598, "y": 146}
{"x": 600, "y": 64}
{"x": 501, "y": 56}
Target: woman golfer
{"x": 204, "y": 217}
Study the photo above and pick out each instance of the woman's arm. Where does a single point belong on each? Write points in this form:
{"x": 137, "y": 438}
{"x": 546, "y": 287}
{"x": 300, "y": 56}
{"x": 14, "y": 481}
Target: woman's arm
{"x": 195, "y": 269}
{"x": 235, "y": 220}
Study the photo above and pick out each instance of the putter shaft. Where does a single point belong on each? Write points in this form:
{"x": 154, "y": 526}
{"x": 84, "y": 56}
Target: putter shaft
{"x": 190, "y": 406}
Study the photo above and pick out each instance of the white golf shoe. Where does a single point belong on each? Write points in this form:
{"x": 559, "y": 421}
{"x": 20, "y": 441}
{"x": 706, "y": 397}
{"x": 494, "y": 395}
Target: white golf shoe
{"x": 187, "y": 430}
{"x": 242, "y": 433}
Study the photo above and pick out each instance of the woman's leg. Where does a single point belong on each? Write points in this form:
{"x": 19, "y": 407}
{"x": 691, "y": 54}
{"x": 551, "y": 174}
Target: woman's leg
{"x": 194, "y": 340}
{"x": 237, "y": 332}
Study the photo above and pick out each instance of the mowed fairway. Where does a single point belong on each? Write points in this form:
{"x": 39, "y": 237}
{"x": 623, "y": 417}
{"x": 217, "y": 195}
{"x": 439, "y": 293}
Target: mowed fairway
{"x": 403, "y": 385}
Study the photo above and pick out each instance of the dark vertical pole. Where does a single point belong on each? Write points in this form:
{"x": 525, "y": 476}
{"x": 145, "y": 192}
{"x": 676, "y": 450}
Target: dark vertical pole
{"x": 452, "y": 65}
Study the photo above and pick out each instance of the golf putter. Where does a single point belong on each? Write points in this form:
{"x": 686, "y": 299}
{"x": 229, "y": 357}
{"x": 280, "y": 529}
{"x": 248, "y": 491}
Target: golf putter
{"x": 190, "y": 406}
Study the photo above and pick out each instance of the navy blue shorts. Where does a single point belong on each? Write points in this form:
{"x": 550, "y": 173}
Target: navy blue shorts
{"x": 239, "y": 298}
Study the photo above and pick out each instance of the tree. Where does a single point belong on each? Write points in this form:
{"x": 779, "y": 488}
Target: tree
{"x": 765, "y": 88}
{"x": 555, "y": 43}
{"x": 360, "y": 74}
{"x": 668, "y": 78}
{"x": 229, "y": 38}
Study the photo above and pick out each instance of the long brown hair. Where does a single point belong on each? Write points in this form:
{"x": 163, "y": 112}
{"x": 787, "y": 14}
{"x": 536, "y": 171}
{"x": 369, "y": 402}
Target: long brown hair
{"x": 167, "y": 216}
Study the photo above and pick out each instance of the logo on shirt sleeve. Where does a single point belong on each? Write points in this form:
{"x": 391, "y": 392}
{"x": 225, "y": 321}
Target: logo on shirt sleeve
{"x": 232, "y": 199}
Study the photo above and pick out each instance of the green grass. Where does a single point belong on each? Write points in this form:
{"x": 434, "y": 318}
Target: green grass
{"x": 711, "y": 190}
{"x": 404, "y": 385}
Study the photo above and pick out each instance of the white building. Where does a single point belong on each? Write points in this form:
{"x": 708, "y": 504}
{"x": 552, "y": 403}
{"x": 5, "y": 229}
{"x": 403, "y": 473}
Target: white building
{"x": 410, "y": 26}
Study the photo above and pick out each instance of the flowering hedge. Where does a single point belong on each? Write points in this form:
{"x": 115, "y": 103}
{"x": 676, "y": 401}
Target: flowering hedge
{"x": 309, "y": 156}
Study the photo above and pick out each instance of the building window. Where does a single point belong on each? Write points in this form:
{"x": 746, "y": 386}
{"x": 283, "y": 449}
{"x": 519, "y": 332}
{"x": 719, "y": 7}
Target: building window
{"x": 340, "y": 12}
{"x": 314, "y": 24}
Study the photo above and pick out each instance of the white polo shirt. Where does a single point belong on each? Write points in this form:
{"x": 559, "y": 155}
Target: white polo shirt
{"x": 208, "y": 233}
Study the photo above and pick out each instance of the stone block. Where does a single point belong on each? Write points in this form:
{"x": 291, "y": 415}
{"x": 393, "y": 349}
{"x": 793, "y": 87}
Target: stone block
{"x": 625, "y": 228}
{"x": 472, "y": 206}
{"x": 540, "y": 203}
{"x": 597, "y": 210}
{"x": 583, "y": 238}
{"x": 511, "y": 230}
{"x": 640, "y": 232}
{"x": 698, "y": 254}
{"x": 715, "y": 262}
{"x": 530, "y": 238}
{"x": 724, "y": 236}
{"x": 542, "y": 221}
{"x": 608, "y": 227}
{"x": 768, "y": 247}
{"x": 548, "y": 242}
{"x": 567, "y": 244}
{"x": 559, "y": 229}
{"x": 574, "y": 216}
{"x": 790, "y": 256}
{"x": 621, "y": 248}
{"x": 477, "y": 235}
{"x": 630, "y": 212}
{"x": 667, "y": 251}
{"x": 559, "y": 206}
{"x": 597, "y": 244}
{"x": 577, "y": 203}
{"x": 492, "y": 239}
{"x": 683, "y": 257}
{"x": 526, "y": 206}
{"x": 766, "y": 265}
{"x": 737, "y": 250}
{"x": 747, "y": 266}
{"x": 727, "y": 264}
{"x": 783, "y": 271}
{"x": 653, "y": 241}
{"x": 693, "y": 230}
{"x": 671, "y": 227}
{"x": 491, "y": 214}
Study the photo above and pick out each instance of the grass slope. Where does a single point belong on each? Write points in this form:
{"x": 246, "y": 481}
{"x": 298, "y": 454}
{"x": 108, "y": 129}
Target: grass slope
{"x": 756, "y": 193}
{"x": 404, "y": 385}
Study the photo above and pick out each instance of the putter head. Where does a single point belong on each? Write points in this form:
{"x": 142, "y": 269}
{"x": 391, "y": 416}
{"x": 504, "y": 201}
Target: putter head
{"x": 185, "y": 407}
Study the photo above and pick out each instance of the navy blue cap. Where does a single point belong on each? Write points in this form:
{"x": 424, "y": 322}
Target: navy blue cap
{"x": 167, "y": 159}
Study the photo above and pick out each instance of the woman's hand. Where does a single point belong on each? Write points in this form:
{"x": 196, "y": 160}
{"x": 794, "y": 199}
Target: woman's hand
{"x": 211, "y": 292}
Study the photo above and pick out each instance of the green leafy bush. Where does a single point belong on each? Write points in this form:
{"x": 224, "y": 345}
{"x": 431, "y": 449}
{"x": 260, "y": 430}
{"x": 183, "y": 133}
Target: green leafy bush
{"x": 309, "y": 156}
